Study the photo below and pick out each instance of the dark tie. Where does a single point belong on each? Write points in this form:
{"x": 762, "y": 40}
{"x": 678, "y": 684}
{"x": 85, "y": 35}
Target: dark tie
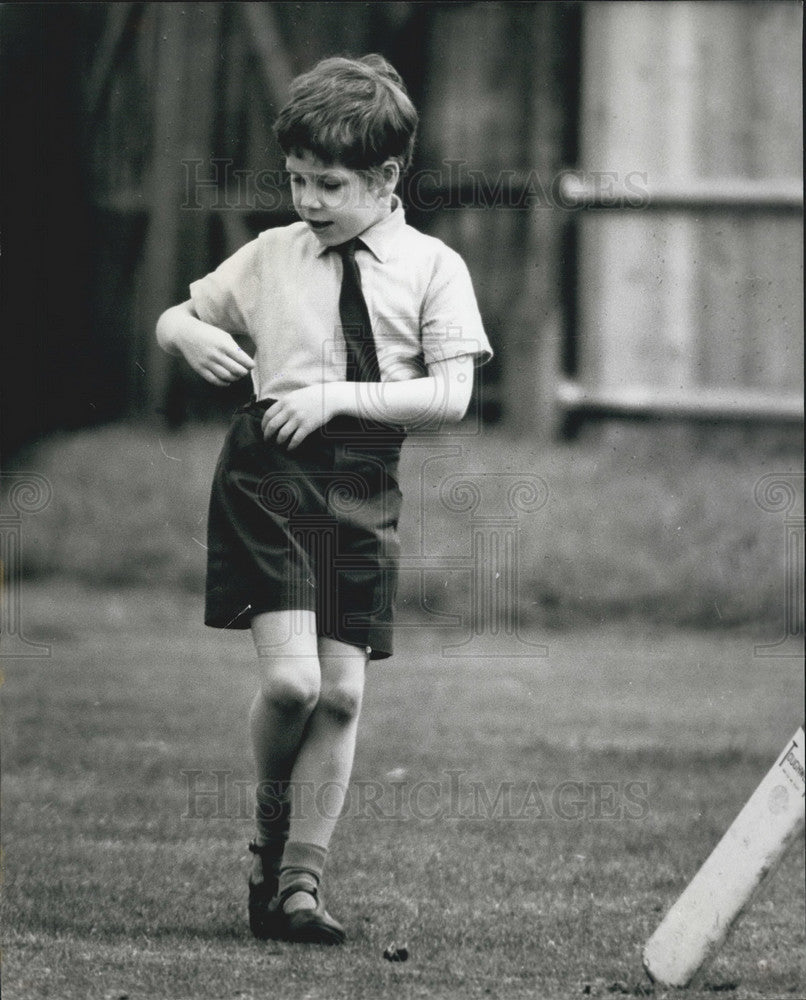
{"x": 362, "y": 361}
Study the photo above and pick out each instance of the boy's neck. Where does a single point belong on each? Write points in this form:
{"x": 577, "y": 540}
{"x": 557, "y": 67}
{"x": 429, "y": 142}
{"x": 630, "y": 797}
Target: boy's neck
{"x": 386, "y": 210}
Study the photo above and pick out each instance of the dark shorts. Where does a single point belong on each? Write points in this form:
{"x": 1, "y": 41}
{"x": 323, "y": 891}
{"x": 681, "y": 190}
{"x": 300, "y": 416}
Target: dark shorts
{"x": 313, "y": 529}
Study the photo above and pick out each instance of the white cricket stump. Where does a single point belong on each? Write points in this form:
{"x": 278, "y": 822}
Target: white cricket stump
{"x": 697, "y": 924}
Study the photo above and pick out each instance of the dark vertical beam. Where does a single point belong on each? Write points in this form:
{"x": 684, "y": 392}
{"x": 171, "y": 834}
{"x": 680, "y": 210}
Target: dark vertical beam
{"x": 274, "y": 66}
{"x": 184, "y": 109}
{"x": 114, "y": 33}
{"x": 165, "y": 192}
{"x": 534, "y": 331}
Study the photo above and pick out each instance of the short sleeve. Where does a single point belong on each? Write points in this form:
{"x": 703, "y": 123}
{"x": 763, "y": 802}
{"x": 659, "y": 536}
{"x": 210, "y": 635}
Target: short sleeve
{"x": 450, "y": 323}
{"x": 227, "y": 297}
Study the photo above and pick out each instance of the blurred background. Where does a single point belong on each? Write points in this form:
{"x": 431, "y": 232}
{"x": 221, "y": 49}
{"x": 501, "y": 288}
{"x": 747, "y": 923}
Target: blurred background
{"x": 623, "y": 180}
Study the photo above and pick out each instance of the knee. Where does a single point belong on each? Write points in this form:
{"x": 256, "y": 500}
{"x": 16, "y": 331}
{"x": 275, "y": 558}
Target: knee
{"x": 341, "y": 701}
{"x": 290, "y": 695}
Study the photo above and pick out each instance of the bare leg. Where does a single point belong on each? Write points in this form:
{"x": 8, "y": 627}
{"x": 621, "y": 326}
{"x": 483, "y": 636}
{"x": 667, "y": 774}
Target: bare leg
{"x": 325, "y": 759}
{"x": 289, "y": 690}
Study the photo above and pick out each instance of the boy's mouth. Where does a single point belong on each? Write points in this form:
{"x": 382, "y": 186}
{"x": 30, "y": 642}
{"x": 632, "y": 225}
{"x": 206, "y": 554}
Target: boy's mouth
{"x": 318, "y": 226}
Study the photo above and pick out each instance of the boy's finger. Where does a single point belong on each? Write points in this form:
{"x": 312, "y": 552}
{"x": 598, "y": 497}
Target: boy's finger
{"x": 225, "y": 361}
{"x": 237, "y": 371}
{"x": 221, "y": 372}
{"x": 299, "y": 436}
{"x": 271, "y": 424}
{"x": 271, "y": 414}
{"x": 284, "y": 433}
{"x": 275, "y": 416}
{"x": 239, "y": 356}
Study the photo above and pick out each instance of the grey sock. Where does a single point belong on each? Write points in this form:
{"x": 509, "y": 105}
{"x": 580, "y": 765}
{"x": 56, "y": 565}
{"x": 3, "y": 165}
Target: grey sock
{"x": 301, "y": 869}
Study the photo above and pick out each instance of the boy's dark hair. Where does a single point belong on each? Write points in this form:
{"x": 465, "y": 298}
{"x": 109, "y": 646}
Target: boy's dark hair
{"x": 355, "y": 112}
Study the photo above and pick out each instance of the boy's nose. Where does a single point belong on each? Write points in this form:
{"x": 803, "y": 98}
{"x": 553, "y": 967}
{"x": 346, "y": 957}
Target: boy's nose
{"x": 309, "y": 199}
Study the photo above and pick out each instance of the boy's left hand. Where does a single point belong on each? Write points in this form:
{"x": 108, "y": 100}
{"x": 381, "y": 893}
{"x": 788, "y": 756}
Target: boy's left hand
{"x": 291, "y": 419}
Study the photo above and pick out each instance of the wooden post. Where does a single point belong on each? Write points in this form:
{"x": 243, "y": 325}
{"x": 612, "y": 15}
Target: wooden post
{"x": 274, "y": 66}
{"x": 534, "y": 330}
{"x": 184, "y": 102}
{"x": 165, "y": 189}
{"x": 117, "y": 21}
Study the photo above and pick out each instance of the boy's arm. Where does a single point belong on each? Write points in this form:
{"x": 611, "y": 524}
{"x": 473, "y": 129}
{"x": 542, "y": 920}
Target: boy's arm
{"x": 210, "y": 351}
{"x": 441, "y": 397}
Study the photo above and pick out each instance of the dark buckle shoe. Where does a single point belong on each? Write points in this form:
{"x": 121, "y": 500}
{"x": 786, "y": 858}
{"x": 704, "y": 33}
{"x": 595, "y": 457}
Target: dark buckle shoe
{"x": 314, "y": 926}
{"x": 262, "y": 917}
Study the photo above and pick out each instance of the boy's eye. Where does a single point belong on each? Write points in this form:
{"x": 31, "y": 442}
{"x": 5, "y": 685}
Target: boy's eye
{"x": 331, "y": 185}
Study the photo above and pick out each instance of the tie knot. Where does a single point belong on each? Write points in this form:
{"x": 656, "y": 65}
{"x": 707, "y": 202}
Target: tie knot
{"x": 349, "y": 248}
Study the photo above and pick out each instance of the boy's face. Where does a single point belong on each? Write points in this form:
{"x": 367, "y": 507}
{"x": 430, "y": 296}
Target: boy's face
{"x": 337, "y": 203}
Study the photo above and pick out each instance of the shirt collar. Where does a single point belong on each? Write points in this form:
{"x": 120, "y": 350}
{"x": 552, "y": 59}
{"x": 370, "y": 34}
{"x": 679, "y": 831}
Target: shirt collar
{"x": 378, "y": 239}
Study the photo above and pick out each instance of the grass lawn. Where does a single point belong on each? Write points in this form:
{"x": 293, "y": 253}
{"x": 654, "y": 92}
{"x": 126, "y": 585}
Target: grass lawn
{"x": 520, "y": 824}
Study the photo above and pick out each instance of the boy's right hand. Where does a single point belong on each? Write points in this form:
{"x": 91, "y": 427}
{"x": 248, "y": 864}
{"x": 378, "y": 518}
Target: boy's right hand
{"x": 214, "y": 354}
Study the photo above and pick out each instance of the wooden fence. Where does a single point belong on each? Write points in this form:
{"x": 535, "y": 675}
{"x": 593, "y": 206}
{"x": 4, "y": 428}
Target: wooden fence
{"x": 690, "y": 250}
{"x": 623, "y": 180}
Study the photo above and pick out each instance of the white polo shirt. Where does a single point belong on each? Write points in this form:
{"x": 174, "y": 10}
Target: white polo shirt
{"x": 282, "y": 290}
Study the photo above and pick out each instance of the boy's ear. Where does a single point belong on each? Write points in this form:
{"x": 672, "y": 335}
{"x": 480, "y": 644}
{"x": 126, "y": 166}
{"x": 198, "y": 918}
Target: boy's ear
{"x": 391, "y": 175}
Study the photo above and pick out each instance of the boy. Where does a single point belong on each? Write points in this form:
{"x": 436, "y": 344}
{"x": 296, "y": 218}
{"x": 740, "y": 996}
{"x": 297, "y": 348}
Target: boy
{"x": 354, "y": 339}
